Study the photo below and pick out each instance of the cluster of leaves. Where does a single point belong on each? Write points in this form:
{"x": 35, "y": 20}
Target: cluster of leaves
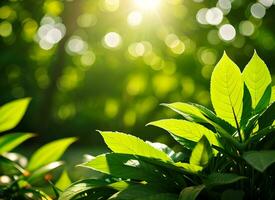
{"x": 225, "y": 154}
{"x": 20, "y": 179}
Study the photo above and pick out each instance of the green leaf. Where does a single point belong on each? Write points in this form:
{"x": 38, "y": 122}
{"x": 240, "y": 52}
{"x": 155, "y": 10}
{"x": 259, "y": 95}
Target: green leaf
{"x": 247, "y": 108}
{"x": 188, "y": 130}
{"x": 125, "y": 166}
{"x": 257, "y": 78}
{"x": 260, "y": 160}
{"x": 83, "y": 186}
{"x": 64, "y": 181}
{"x": 216, "y": 179}
{"x": 12, "y": 140}
{"x": 37, "y": 174}
{"x": 267, "y": 117}
{"x": 202, "y": 153}
{"x": 264, "y": 101}
{"x": 189, "y": 112}
{"x": 49, "y": 153}
{"x": 12, "y": 112}
{"x": 191, "y": 193}
{"x": 124, "y": 143}
{"x": 273, "y": 94}
{"x": 226, "y": 89}
{"x": 143, "y": 192}
{"x": 215, "y": 121}
{"x": 9, "y": 167}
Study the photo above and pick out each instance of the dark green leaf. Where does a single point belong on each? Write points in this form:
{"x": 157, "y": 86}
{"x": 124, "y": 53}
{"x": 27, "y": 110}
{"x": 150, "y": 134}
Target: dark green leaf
{"x": 232, "y": 194}
{"x": 260, "y": 160}
{"x": 191, "y": 193}
{"x": 37, "y": 174}
{"x": 8, "y": 167}
{"x": 267, "y": 117}
{"x": 216, "y": 179}
{"x": 265, "y": 100}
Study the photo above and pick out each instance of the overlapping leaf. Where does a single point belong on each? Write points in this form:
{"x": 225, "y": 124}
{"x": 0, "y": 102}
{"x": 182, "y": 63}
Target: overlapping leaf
{"x": 227, "y": 88}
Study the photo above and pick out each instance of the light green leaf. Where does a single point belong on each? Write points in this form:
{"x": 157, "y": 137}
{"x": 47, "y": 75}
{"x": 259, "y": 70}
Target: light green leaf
{"x": 260, "y": 160}
{"x": 188, "y": 111}
{"x": 190, "y": 168}
{"x": 12, "y": 112}
{"x": 191, "y": 193}
{"x": 257, "y": 78}
{"x": 188, "y": 130}
{"x": 227, "y": 88}
{"x": 64, "y": 181}
{"x": 49, "y": 153}
{"x": 12, "y": 140}
{"x": 216, "y": 179}
{"x": 273, "y": 94}
{"x": 124, "y": 143}
{"x": 9, "y": 167}
{"x": 202, "y": 153}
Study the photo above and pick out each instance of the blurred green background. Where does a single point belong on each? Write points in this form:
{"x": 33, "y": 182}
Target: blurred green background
{"x": 108, "y": 64}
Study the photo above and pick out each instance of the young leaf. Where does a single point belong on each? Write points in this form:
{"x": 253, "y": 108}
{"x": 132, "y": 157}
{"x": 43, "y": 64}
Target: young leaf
{"x": 64, "y": 181}
{"x": 12, "y": 140}
{"x": 188, "y": 130}
{"x": 12, "y": 112}
{"x": 216, "y": 179}
{"x": 226, "y": 90}
{"x": 191, "y": 193}
{"x": 188, "y": 111}
{"x": 124, "y": 143}
{"x": 49, "y": 153}
{"x": 257, "y": 78}
{"x": 202, "y": 153}
{"x": 260, "y": 160}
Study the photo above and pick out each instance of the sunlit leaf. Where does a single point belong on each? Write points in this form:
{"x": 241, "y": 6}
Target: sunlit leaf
{"x": 64, "y": 181}
{"x": 12, "y": 112}
{"x": 257, "y": 78}
{"x": 201, "y": 153}
{"x": 227, "y": 88}
{"x": 124, "y": 143}
{"x": 188, "y": 130}
{"x": 12, "y": 140}
{"x": 273, "y": 94}
{"x": 9, "y": 167}
{"x": 49, "y": 153}
{"x": 191, "y": 193}
{"x": 260, "y": 160}
{"x": 188, "y": 111}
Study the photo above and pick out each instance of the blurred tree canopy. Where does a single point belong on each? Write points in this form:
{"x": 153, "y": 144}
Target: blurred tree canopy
{"x": 108, "y": 64}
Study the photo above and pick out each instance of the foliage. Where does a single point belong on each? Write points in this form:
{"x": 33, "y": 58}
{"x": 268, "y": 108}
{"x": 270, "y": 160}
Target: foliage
{"x": 167, "y": 55}
{"x": 226, "y": 153}
{"x": 20, "y": 179}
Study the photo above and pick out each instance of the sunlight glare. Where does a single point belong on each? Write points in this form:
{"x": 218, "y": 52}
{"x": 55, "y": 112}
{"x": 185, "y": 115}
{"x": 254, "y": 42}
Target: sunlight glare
{"x": 147, "y": 4}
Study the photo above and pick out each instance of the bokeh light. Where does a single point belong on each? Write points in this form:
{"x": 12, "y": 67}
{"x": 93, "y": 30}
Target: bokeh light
{"x": 227, "y": 32}
{"x": 214, "y": 16}
{"x": 258, "y": 10}
{"x": 134, "y": 18}
{"x": 147, "y": 4}
{"x": 112, "y": 40}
